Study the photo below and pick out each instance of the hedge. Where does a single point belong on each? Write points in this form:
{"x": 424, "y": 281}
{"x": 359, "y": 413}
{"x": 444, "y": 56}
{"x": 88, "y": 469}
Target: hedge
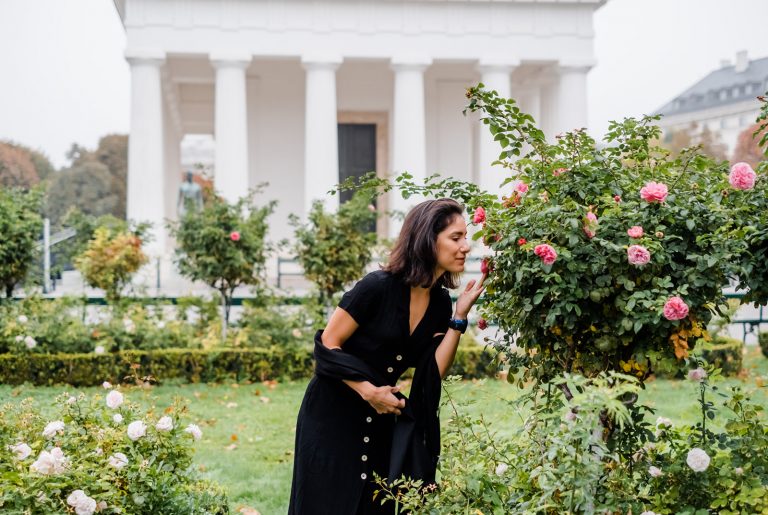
{"x": 186, "y": 365}
{"x": 723, "y": 352}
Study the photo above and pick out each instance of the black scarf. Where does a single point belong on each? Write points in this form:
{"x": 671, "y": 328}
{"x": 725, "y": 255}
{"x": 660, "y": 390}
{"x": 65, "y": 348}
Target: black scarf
{"x": 416, "y": 438}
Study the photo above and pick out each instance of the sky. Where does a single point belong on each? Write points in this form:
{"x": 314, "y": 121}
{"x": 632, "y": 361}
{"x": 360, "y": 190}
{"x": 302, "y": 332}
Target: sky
{"x": 63, "y": 78}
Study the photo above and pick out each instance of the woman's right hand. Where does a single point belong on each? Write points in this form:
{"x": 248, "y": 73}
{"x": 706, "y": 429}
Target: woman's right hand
{"x": 383, "y": 399}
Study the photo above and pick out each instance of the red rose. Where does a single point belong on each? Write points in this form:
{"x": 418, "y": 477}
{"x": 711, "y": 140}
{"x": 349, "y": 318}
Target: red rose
{"x": 234, "y": 236}
{"x": 617, "y": 198}
{"x": 522, "y": 241}
{"x": 482, "y": 324}
{"x": 485, "y": 266}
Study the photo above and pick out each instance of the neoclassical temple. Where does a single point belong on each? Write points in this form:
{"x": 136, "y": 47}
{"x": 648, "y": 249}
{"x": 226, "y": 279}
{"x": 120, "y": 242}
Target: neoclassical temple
{"x": 303, "y": 93}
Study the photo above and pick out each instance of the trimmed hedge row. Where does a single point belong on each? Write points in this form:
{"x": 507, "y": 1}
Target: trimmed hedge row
{"x": 725, "y": 353}
{"x": 187, "y": 365}
{"x": 762, "y": 339}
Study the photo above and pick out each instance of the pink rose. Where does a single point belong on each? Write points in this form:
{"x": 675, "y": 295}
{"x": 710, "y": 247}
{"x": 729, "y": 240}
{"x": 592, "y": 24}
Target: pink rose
{"x": 485, "y": 266}
{"x": 742, "y": 177}
{"x": 559, "y": 171}
{"x": 234, "y": 236}
{"x": 654, "y": 192}
{"x": 590, "y": 225}
{"x": 617, "y": 198}
{"x": 638, "y": 255}
{"x": 482, "y": 324}
{"x": 675, "y": 309}
{"x": 479, "y": 215}
{"x": 546, "y": 253}
{"x": 521, "y": 187}
{"x": 522, "y": 241}
{"x": 697, "y": 374}
{"x": 635, "y": 231}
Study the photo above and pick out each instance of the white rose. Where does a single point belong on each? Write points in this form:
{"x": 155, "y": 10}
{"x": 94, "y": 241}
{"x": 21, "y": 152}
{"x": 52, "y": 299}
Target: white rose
{"x": 82, "y": 504}
{"x": 21, "y": 450}
{"x": 30, "y": 342}
{"x": 296, "y": 333}
{"x": 22, "y": 319}
{"x": 20, "y": 338}
{"x": 501, "y": 468}
{"x": 98, "y": 451}
{"x": 194, "y": 430}
{"x": 47, "y": 463}
{"x": 128, "y": 325}
{"x": 118, "y": 460}
{"x": 114, "y": 399}
{"x": 164, "y": 424}
{"x": 161, "y": 325}
{"x": 663, "y": 421}
{"x": 99, "y": 349}
{"x": 697, "y": 459}
{"x": 106, "y": 385}
{"x": 117, "y": 418}
{"x": 71, "y": 400}
{"x": 655, "y": 472}
{"x": 738, "y": 471}
{"x": 52, "y": 428}
{"x": 136, "y": 429}
{"x": 101, "y": 506}
{"x": 649, "y": 513}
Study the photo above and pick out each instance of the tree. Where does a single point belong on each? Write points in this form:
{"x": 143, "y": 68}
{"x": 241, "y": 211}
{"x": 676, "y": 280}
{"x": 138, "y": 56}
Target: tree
{"x": 16, "y": 167}
{"x": 335, "y": 248}
{"x": 20, "y": 226}
{"x": 747, "y": 145}
{"x": 224, "y": 245}
{"x": 87, "y": 186}
{"x": 711, "y": 143}
{"x": 110, "y": 260}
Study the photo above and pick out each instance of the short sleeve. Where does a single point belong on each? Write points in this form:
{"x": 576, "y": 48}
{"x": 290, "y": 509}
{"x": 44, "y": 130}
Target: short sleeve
{"x": 361, "y": 300}
{"x": 444, "y": 311}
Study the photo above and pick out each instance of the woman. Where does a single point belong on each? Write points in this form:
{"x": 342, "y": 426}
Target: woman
{"x": 353, "y": 422}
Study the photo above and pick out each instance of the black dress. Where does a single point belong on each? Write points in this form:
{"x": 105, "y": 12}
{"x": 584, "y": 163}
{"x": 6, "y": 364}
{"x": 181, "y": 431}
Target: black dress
{"x": 340, "y": 439}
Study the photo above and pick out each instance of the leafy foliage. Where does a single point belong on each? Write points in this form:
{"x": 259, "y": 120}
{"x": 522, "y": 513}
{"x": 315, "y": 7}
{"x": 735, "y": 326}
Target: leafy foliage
{"x": 149, "y": 474}
{"x": 224, "y": 245}
{"x": 335, "y": 248}
{"x": 20, "y": 226}
{"x": 110, "y": 260}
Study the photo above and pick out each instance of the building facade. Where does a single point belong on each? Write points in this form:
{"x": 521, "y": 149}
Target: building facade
{"x": 724, "y": 101}
{"x": 301, "y": 93}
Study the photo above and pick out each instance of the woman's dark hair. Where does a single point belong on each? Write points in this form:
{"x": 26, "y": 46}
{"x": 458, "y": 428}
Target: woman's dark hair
{"x": 414, "y": 255}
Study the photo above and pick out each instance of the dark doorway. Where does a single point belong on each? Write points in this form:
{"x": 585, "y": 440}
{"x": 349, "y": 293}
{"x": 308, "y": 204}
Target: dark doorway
{"x": 357, "y": 152}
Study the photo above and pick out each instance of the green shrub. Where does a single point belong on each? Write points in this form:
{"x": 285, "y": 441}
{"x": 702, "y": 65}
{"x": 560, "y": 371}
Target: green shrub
{"x": 93, "y": 455}
{"x": 762, "y": 339}
{"x": 724, "y": 353}
{"x": 37, "y": 325}
{"x": 20, "y": 226}
{"x": 195, "y": 366}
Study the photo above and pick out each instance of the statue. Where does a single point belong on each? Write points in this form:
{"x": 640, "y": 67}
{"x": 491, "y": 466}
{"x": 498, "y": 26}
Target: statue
{"x": 190, "y": 196}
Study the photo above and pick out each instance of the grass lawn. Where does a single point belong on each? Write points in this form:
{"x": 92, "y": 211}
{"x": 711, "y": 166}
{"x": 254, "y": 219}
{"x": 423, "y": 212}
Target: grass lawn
{"x": 249, "y": 428}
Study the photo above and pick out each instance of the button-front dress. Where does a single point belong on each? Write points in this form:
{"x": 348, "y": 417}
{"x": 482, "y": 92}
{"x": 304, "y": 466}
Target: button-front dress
{"x": 340, "y": 439}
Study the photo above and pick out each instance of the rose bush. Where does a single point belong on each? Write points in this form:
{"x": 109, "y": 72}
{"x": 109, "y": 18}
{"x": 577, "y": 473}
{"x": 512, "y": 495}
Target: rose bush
{"x": 623, "y": 264}
{"x": 89, "y": 461}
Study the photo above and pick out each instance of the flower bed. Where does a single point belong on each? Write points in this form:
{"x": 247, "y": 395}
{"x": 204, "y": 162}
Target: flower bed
{"x": 100, "y": 454}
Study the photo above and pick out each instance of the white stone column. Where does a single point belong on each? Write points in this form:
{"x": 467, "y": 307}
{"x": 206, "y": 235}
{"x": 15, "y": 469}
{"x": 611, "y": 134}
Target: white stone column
{"x": 572, "y": 95}
{"x": 495, "y": 76}
{"x": 231, "y": 126}
{"x": 321, "y": 132}
{"x": 409, "y": 152}
{"x": 146, "y": 174}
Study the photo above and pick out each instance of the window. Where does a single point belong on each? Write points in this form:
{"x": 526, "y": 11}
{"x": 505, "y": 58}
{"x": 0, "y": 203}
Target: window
{"x": 723, "y": 94}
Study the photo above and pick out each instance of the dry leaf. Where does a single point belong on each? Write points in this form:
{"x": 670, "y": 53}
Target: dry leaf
{"x": 247, "y": 510}
{"x": 233, "y": 438}
{"x": 265, "y": 400}
{"x": 231, "y": 447}
{"x": 231, "y": 405}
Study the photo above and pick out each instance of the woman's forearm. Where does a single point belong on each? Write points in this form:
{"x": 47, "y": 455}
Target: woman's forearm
{"x": 363, "y": 388}
{"x": 446, "y": 351}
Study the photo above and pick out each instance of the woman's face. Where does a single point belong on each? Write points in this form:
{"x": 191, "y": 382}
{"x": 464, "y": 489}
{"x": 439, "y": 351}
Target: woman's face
{"x": 452, "y": 247}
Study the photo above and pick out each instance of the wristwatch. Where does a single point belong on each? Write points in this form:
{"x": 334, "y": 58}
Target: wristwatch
{"x": 460, "y": 324}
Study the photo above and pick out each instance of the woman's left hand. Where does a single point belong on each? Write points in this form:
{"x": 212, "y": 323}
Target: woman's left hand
{"x": 469, "y": 296}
